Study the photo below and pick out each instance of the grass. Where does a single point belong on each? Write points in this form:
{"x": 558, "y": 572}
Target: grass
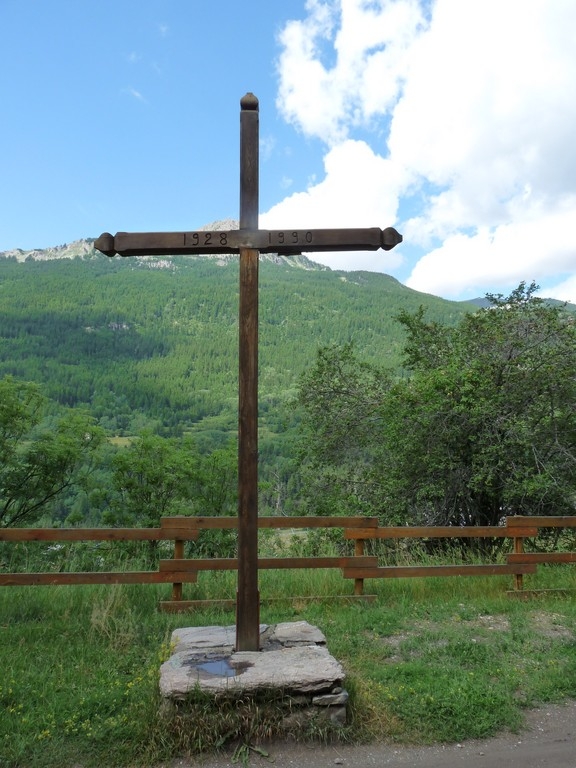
{"x": 429, "y": 660}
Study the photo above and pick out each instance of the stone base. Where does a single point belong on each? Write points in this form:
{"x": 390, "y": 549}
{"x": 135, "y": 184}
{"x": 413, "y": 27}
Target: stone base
{"x": 293, "y": 661}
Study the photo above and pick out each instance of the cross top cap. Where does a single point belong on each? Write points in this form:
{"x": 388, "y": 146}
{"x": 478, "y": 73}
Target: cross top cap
{"x": 249, "y": 102}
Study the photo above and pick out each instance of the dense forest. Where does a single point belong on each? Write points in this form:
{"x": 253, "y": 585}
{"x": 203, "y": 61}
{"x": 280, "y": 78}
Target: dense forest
{"x": 153, "y": 342}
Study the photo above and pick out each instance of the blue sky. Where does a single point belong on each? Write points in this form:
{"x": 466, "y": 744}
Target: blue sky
{"x": 451, "y": 120}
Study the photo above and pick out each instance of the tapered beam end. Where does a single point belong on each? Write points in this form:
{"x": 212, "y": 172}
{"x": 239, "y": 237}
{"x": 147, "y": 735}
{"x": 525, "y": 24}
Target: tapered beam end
{"x": 105, "y": 244}
{"x": 390, "y": 238}
{"x": 249, "y": 102}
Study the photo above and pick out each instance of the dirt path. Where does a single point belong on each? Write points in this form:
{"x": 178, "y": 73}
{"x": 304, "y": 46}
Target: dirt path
{"x": 548, "y": 740}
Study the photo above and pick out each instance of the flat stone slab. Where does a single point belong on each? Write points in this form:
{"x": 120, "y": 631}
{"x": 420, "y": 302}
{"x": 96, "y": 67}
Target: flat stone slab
{"x": 293, "y": 659}
{"x": 296, "y": 633}
{"x": 209, "y": 638}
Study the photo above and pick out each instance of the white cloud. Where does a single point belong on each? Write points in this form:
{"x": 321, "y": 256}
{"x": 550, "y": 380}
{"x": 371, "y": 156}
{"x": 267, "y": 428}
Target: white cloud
{"x": 471, "y": 265}
{"x": 485, "y": 112}
{"x": 358, "y": 190}
{"x": 367, "y": 42}
{"x": 136, "y": 95}
{"x": 466, "y": 116}
{"x": 563, "y": 291}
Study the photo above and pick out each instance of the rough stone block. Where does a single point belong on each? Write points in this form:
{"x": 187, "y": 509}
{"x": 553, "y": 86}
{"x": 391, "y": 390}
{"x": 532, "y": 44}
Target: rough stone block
{"x": 293, "y": 661}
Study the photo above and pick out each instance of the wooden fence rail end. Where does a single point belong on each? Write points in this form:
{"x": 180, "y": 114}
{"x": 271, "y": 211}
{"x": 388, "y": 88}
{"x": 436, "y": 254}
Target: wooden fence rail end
{"x": 80, "y": 534}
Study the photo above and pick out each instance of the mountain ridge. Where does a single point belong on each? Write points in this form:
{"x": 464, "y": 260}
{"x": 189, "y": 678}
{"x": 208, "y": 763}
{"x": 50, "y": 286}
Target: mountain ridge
{"x": 84, "y": 249}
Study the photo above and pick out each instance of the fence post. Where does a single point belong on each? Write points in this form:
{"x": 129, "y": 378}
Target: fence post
{"x": 358, "y": 552}
{"x": 518, "y": 550}
{"x": 178, "y": 555}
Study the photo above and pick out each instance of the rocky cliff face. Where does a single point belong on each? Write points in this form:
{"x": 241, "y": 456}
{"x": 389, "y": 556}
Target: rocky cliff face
{"x": 78, "y": 248}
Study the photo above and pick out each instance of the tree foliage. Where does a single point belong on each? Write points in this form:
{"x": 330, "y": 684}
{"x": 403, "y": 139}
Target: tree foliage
{"x": 342, "y": 400}
{"x": 157, "y": 477}
{"x": 150, "y": 480}
{"x": 39, "y": 459}
{"x": 483, "y": 426}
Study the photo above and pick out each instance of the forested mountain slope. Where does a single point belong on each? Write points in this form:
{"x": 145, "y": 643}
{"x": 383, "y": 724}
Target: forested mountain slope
{"x": 153, "y": 341}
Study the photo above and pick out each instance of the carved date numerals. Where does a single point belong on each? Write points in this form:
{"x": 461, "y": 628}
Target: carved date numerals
{"x": 295, "y": 237}
{"x": 232, "y": 241}
{"x": 207, "y": 238}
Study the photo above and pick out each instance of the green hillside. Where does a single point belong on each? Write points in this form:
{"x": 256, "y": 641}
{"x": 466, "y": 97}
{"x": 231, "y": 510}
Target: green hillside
{"x": 154, "y": 341}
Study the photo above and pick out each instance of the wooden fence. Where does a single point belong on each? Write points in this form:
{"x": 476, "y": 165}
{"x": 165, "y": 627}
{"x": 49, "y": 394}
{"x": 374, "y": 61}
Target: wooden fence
{"x": 179, "y": 570}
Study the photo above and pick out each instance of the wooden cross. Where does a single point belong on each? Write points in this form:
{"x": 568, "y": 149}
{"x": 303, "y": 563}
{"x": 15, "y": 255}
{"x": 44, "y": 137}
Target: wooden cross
{"x": 249, "y": 242}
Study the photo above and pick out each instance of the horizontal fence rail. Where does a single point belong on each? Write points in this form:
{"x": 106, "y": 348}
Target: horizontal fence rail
{"x": 179, "y": 570}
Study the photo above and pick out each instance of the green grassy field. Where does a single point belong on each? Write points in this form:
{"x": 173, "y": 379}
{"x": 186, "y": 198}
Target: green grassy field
{"x": 428, "y": 660}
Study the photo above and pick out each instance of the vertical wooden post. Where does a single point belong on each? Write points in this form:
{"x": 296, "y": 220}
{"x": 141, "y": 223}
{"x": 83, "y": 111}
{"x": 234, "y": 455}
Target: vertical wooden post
{"x": 358, "y": 552}
{"x": 178, "y": 555}
{"x": 518, "y": 550}
{"x": 248, "y": 598}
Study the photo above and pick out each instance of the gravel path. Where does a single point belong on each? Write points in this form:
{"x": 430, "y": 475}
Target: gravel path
{"x": 548, "y": 740}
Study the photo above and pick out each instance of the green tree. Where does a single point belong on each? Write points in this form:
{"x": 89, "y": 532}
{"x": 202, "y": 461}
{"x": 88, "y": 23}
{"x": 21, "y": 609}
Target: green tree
{"x": 483, "y": 426}
{"x": 214, "y": 489}
{"x": 486, "y": 425}
{"x": 342, "y": 398}
{"x": 152, "y": 478}
{"x": 214, "y": 492}
{"x": 39, "y": 460}
{"x": 157, "y": 477}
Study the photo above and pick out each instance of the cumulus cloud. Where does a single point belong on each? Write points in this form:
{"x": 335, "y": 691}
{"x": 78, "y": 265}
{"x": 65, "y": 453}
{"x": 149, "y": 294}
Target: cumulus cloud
{"x": 343, "y": 64}
{"x": 465, "y": 264}
{"x": 451, "y": 120}
{"x": 357, "y": 191}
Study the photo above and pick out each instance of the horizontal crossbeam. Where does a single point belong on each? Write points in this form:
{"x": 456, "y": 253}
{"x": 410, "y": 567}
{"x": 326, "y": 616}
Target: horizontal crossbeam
{"x": 180, "y": 526}
{"x": 283, "y": 241}
{"x": 181, "y": 606}
{"x": 96, "y": 577}
{"x": 425, "y": 571}
{"x": 440, "y": 532}
{"x": 268, "y": 563}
